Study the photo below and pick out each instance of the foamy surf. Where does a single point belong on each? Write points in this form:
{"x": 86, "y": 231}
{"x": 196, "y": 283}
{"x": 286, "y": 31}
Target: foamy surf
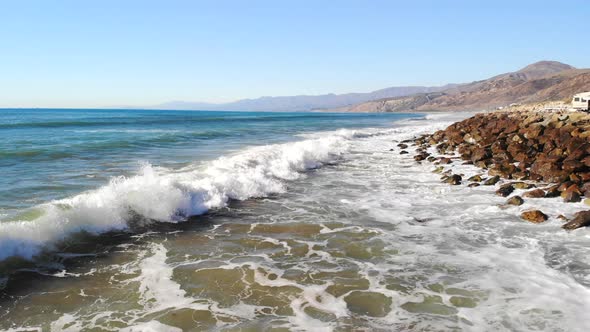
{"x": 165, "y": 195}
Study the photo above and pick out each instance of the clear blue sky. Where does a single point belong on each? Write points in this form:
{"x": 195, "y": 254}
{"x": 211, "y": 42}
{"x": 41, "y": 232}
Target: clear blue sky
{"x": 99, "y": 53}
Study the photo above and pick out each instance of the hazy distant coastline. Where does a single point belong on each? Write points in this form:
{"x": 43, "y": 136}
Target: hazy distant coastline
{"x": 538, "y": 82}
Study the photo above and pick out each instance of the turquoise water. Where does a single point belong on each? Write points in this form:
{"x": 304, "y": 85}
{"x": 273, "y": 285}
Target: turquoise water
{"x": 48, "y": 154}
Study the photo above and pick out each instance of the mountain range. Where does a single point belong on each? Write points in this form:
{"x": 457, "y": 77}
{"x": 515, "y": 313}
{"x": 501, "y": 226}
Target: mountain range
{"x": 540, "y": 81}
{"x": 303, "y": 102}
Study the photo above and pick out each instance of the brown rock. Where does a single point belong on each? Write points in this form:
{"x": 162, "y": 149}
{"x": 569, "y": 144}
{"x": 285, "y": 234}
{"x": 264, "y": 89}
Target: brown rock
{"x": 421, "y": 156}
{"x": 581, "y": 219}
{"x": 573, "y": 166}
{"x": 439, "y": 169}
{"x": 454, "y": 179}
{"x": 584, "y": 177}
{"x": 523, "y": 185}
{"x": 552, "y": 191}
{"x": 517, "y": 139}
{"x": 498, "y": 146}
{"x": 571, "y": 194}
{"x": 403, "y": 152}
{"x": 474, "y": 184}
{"x": 557, "y": 152}
{"x": 492, "y": 181}
{"x": 533, "y": 131}
{"x": 520, "y": 175}
{"x": 564, "y": 185}
{"x": 484, "y": 163}
{"x": 536, "y": 193}
{"x": 534, "y": 216}
{"x": 505, "y": 190}
{"x": 575, "y": 178}
{"x": 549, "y": 169}
{"x": 504, "y": 170}
{"x": 445, "y": 161}
{"x": 480, "y": 154}
{"x": 402, "y": 146}
{"x": 515, "y": 200}
{"x": 475, "y": 178}
{"x": 576, "y": 148}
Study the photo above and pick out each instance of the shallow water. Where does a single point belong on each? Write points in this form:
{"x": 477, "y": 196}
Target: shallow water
{"x": 344, "y": 235}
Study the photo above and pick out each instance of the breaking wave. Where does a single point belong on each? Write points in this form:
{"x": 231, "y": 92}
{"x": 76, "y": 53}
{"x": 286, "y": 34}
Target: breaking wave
{"x": 165, "y": 195}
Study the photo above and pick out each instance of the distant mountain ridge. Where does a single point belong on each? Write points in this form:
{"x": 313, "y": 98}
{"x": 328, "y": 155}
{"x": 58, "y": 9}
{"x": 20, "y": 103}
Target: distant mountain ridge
{"x": 303, "y": 102}
{"x": 538, "y": 82}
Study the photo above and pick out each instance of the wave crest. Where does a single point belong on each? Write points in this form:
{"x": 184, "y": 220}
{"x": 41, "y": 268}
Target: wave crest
{"x": 160, "y": 194}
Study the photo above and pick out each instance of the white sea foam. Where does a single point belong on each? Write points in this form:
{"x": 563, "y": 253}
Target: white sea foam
{"x": 151, "y": 326}
{"x": 170, "y": 196}
{"x": 157, "y": 289}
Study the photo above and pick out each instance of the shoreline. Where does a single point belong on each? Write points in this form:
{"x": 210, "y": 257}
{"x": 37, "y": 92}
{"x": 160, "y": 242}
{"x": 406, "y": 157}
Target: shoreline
{"x": 524, "y": 153}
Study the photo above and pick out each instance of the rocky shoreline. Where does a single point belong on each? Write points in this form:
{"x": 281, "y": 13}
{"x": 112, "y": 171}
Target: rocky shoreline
{"x": 546, "y": 153}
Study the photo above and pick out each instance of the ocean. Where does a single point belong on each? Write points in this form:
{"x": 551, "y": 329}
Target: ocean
{"x": 147, "y": 220}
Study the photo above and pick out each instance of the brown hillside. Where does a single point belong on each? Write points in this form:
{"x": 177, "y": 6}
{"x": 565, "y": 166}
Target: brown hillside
{"x": 538, "y": 82}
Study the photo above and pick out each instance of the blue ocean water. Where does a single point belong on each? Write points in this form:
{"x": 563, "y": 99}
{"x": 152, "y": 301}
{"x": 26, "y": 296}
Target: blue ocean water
{"x": 49, "y": 154}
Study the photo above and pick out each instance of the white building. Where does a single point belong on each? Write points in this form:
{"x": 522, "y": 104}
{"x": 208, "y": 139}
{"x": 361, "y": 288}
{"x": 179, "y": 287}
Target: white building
{"x": 581, "y": 101}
